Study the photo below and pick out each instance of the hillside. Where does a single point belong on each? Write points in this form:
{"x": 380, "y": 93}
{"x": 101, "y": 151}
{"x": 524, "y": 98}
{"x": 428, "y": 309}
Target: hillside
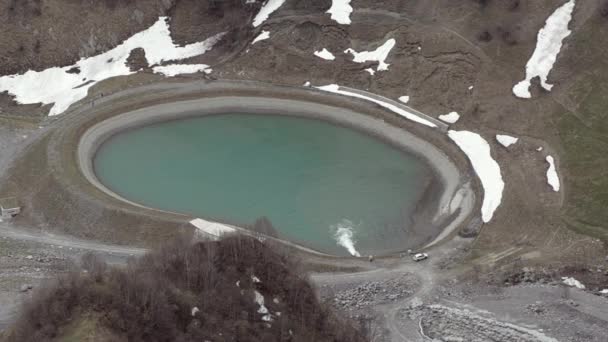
{"x": 235, "y": 289}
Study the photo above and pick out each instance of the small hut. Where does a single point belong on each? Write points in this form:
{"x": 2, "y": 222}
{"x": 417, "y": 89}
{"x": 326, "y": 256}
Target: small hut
{"x": 9, "y": 207}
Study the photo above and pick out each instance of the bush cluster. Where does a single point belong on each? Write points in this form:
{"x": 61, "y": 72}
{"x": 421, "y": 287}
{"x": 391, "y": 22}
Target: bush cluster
{"x": 152, "y": 298}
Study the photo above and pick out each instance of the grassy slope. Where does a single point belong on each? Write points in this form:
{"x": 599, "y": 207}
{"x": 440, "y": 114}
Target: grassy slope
{"x": 584, "y": 132}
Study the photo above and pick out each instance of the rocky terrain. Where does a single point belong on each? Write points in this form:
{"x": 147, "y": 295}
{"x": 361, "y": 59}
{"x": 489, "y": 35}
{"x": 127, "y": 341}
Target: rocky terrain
{"x": 501, "y": 281}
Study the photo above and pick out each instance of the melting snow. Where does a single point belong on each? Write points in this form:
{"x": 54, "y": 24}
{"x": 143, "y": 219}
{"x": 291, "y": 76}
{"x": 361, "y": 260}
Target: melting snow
{"x": 177, "y": 69}
{"x": 325, "y": 54}
{"x": 506, "y": 140}
{"x": 451, "y": 117}
{"x": 212, "y": 228}
{"x": 572, "y": 282}
{"x": 487, "y": 169}
{"x": 262, "y": 36}
{"x": 259, "y": 299}
{"x": 379, "y": 55}
{"x": 340, "y": 11}
{"x": 266, "y": 10}
{"x": 548, "y": 45}
{"x": 552, "y": 177}
{"x": 56, "y": 85}
{"x": 334, "y": 88}
{"x": 404, "y": 99}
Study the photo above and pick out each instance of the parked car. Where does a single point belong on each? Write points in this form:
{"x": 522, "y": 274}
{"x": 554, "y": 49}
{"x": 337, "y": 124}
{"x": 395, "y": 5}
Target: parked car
{"x": 420, "y": 256}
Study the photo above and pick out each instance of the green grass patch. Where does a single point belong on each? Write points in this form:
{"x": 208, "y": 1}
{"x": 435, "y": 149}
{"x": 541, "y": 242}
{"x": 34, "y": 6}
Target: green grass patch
{"x": 584, "y": 131}
{"x": 584, "y": 136}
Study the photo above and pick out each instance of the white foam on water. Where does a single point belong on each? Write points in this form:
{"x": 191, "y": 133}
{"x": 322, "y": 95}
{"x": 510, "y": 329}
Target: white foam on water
{"x": 344, "y": 236}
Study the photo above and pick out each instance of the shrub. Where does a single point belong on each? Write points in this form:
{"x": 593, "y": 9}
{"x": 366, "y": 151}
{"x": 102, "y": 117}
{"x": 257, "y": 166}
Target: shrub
{"x": 152, "y": 298}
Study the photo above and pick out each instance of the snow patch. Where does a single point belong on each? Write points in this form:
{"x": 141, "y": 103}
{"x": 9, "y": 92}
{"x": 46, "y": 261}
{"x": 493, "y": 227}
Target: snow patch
{"x": 255, "y": 279}
{"x": 548, "y": 46}
{"x": 306, "y": 84}
{"x": 212, "y": 228}
{"x": 55, "y": 85}
{"x": 552, "y": 178}
{"x": 259, "y": 299}
{"x": 325, "y": 54}
{"x": 506, "y": 140}
{"x": 487, "y": 169}
{"x": 604, "y": 291}
{"x": 404, "y": 99}
{"x": 267, "y": 9}
{"x": 379, "y": 55}
{"x": 451, "y": 117}
{"x": 344, "y": 236}
{"x": 340, "y": 11}
{"x": 573, "y": 282}
{"x": 370, "y": 71}
{"x": 334, "y": 88}
{"x": 177, "y": 69}
{"x": 262, "y": 36}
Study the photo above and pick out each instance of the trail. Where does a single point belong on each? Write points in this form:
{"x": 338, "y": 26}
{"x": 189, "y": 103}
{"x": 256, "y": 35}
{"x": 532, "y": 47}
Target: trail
{"x": 8, "y": 231}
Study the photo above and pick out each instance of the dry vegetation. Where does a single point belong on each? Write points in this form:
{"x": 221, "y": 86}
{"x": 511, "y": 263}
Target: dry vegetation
{"x": 152, "y": 299}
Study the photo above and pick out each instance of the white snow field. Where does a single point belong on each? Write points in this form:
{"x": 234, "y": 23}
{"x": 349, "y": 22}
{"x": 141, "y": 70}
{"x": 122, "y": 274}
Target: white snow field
{"x": 506, "y": 140}
{"x": 573, "y": 282}
{"x": 325, "y": 54}
{"x": 340, "y": 11}
{"x": 548, "y": 46}
{"x": 334, "y": 88}
{"x": 487, "y": 169}
{"x": 451, "y": 117}
{"x": 379, "y": 55}
{"x": 552, "y": 178}
{"x": 178, "y": 69}
{"x": 212, "y": 228}
{"x": 262, "y": 36}
{"x": 56, "y": 85}
{"x": 267, "y": 9}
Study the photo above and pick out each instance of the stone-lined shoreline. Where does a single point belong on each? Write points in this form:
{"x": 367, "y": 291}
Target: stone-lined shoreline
{"x": 78, "y": 134}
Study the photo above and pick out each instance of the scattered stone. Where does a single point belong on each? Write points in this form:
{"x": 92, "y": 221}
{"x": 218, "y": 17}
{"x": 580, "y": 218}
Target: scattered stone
{"x": 536, "y": 308}
{"x": 376, "y": 292}
{"x": 25, "y": 287}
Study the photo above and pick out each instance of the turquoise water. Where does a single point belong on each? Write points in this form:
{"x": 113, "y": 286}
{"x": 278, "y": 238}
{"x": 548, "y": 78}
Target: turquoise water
{"x": 311, "y": 179}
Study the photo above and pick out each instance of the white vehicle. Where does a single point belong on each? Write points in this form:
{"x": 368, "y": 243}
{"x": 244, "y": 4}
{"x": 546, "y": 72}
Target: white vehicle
{"x": 420, "y": 256}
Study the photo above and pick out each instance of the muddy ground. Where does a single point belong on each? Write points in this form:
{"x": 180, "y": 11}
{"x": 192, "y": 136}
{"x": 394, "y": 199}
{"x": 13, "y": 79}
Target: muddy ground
{"x": 443, "y": 49}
